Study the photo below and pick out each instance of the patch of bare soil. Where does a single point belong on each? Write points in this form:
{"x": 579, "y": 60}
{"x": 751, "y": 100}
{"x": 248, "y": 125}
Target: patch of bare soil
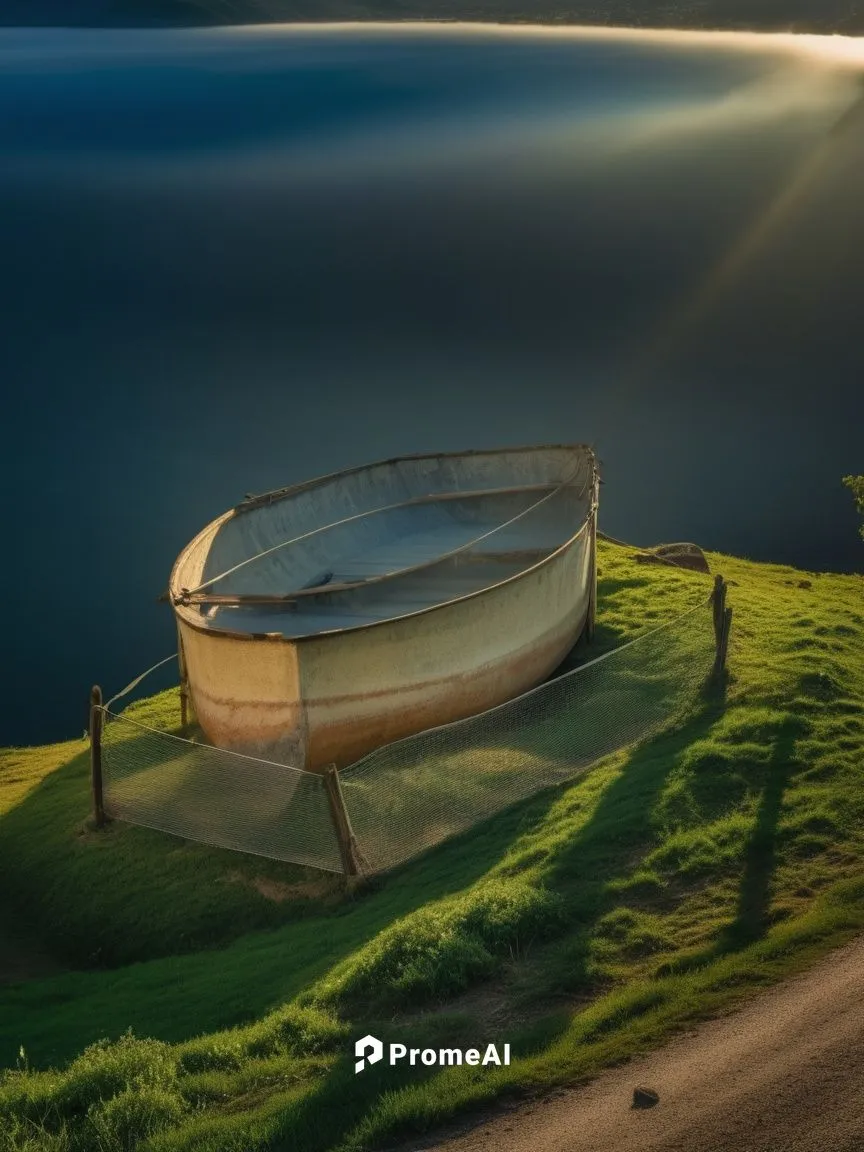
{"x": 783, "y": 1074}
{"x": 279, "y": 892}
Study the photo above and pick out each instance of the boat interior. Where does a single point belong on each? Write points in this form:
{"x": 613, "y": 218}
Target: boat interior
{"x": 384, "y": 541}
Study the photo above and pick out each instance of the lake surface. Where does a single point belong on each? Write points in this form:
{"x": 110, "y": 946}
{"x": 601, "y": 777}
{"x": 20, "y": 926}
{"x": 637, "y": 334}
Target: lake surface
{"x": 236, "y": 259}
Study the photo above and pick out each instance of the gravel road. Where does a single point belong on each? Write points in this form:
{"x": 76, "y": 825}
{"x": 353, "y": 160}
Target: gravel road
{"x": 783, "y": 1074}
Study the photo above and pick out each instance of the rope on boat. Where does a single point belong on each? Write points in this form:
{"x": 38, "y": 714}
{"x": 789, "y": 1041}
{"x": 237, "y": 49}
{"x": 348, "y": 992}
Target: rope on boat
{"x": 614, "y": 540}
{"x": 189, "y": 592}
{"x": 138, "y": 680}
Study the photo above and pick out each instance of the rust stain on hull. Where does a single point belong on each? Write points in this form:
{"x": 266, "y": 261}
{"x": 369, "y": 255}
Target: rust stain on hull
{"x": 282, "y": 729}
{"x": 465, "y": 695}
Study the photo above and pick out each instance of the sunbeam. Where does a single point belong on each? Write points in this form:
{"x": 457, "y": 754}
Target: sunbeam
{"x": 684, "y": 319}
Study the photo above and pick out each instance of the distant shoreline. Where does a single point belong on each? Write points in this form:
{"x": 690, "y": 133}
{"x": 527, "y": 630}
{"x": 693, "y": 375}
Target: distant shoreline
{"x": 842, "y": 50}
{"x": 819, "y": 17}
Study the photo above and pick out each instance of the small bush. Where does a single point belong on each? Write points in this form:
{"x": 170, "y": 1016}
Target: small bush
{"x": 123, "y": 1122}
{"x": 439, "y": 950}
{"x": 296, "y": 1031}
{"x": 293, "y": 1030}
{"x": 105, "y": 1070}
{"x": 27, "y": 1136}
{"x": 115, "y": 1086}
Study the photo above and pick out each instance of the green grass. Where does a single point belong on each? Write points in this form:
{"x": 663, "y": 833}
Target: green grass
{"x": 581, "y": 925}
{"x": 146, "y": 895}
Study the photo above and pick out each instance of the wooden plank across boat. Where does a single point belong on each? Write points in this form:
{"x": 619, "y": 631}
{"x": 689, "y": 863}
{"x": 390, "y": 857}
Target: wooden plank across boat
{"x": 323, "y": 620}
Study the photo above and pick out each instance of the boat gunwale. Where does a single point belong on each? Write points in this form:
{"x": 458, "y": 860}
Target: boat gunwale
{"x": 252, "y": 502}
{"x": 196, "y": 596}
{"x": 186, "y": 615}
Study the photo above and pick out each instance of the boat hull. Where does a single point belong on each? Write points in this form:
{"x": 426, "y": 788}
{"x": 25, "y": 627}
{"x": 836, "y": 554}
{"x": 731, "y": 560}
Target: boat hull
{"x": 332, "y": 698}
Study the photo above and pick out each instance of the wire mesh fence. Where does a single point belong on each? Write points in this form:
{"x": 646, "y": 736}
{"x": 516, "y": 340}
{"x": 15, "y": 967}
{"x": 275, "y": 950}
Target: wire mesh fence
{"x": 199, "y": 792}
{"x": 408, "y": 796}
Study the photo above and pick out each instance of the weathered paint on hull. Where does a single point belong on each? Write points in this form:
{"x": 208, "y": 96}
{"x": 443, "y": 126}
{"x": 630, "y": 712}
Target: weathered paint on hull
{"x": 246, "y": 695}
{"x": 327, "y": 699}
{"x": 348, "y": 731}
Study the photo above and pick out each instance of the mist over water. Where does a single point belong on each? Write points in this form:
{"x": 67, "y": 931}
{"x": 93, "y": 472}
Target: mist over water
{"x": 236, "y": 259}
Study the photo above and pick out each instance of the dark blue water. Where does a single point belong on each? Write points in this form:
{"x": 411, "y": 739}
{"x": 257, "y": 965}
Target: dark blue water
{"x": 233, "y": 260}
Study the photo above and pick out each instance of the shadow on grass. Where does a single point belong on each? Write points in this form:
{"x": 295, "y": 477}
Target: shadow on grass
{"x": 752, "y": 915}
{"x": 598, "y": 870}
{"x": 606, "y": 637}
{"x": 754, "y": 895}
{"x": 609, "y": 585}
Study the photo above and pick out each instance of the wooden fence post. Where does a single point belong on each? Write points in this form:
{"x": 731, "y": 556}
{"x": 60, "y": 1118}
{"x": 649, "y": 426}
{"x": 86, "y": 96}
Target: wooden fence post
{"x": 724, "y": 640}
{"x": 717, "y": 598}
{"x": 347, "y": 844}
{"x": 96, "y": 719}
{"x": 184, "y": 683}
{"x": 591, "y": 619}
{"x": 722, "y": 625}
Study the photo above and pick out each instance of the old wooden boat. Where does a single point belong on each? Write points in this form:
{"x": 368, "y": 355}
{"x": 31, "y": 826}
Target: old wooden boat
{"x": 320, "y": 621}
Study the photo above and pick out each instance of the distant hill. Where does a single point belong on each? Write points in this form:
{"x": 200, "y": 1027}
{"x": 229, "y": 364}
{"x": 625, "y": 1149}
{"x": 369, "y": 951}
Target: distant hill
{"x": 841, "y": 16}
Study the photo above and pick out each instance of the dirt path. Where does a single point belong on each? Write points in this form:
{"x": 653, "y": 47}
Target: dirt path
{"x": 783, "y": 1074}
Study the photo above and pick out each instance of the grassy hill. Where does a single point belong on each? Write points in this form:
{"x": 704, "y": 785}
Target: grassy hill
{"x": 824, "y": 16}
{"x": 581, "y": 926}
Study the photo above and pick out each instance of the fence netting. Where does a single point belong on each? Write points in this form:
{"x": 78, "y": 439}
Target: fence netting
{"x": 199, "y": 792}
{"x": 408, "y": 796}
